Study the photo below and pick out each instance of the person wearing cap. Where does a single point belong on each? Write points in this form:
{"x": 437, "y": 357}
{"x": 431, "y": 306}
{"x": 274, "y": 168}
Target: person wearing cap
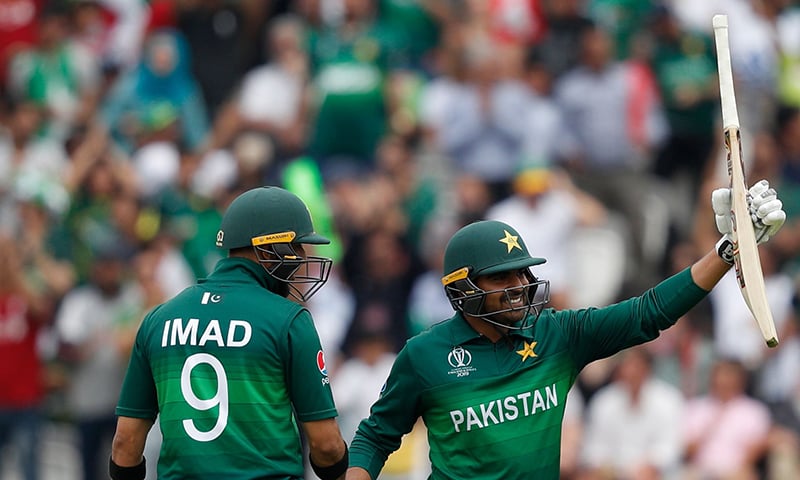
{"x": 545, "y": 195}
{"x": 491, "y": 382}
{"x": 232, "y": 366}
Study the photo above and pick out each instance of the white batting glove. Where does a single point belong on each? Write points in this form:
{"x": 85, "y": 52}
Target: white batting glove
{"x": 766, "y": 213}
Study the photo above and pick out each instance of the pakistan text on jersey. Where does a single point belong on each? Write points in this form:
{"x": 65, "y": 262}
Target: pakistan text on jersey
{"x": 175, "y": 333}
{"x": 505, "y": 409}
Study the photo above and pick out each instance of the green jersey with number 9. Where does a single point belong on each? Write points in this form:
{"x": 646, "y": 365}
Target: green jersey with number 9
{"x": 228, "y": 367}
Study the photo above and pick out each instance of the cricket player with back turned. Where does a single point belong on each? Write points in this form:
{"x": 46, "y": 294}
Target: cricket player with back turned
{"x": 231, "y": 365}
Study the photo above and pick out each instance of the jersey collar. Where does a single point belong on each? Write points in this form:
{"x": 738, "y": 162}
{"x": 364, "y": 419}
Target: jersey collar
{"x": 462, "y": 332}
{"x": 241, "y": 269}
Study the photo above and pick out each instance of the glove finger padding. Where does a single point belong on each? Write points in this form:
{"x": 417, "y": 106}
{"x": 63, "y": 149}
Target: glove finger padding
{"x": 763, "y": 210}
{"x": 766, "y": 211}
{"x": 770, "y": 225}
{"x": 759, "y": 187}
{"x": 721, "y": 204}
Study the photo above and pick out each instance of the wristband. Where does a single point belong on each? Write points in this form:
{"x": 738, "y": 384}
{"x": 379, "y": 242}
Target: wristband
{"x": 725, "y": 249}
{"x": 334, "y": 471}
{"x": 137, "y": 472}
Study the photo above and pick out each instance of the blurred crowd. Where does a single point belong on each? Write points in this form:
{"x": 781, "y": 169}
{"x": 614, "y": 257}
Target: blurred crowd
{"x": 592, "y": 126}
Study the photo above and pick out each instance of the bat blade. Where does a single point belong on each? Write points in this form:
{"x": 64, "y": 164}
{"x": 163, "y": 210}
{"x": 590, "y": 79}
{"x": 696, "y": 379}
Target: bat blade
{"x": 747, "y": 262}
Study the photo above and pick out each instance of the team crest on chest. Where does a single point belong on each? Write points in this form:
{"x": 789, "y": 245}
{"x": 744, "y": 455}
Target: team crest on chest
{"x": 461, "y": 360}
{"x": 527, "y": 351}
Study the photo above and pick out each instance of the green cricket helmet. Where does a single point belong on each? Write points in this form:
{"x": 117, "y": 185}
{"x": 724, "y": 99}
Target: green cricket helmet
{"x": 272, "y": 221}
{"x": 485, "y": 248}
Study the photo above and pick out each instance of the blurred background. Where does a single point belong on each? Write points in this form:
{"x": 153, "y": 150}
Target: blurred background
{"x": 592, "y": 126}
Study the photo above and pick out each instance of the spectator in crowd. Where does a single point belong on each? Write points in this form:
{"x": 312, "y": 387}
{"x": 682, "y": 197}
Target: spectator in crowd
{"x": 613, "y": 159}
{"x": 333, "y": 309}
{"x": 755, "y": 57}
{"x": 26, "y": 157}
{"x": 157, "y": 156}
{"x": 788, "y": 26}
{"x": 427, "y": 303}
{"x": 163, "y": 75}
{"x": 684, "y": 65}
{"x": 97, "y": 179}
{"x": 43, "y": 247}
{"x": 683, "y": 355}
{"x": 726, "y": 430}
{"x": 17, "y": 33}
{"x": 380, "y": 276}
{"x": 546, "y": 139}
{"x": 479, "y": 117}
{"x": 736, "y": 334}
{"x": 57, "y": 74}
{"x": 566, "y": 21}
{"x": 357, "y": 382}
{"x": 350, "y": 63}
{"x": 220, "y": 37}
{"x": 633, "y": 427}
{"x": 24, "y": 311}
{"x": 784, "y": 439}
{"x": 572, "y": 432}
{"x": 777, "y": 374}
{"x": 111, "y": 31}
{"x": 417, "y": 195}
{"x": 546, "y": 196}
{"x": 418, "y": 24}
{"x": 787, "y": 138}
{"x": 273, "y": 100}
{"x": 624, "y": 20}
{"x": 95, "y": 324}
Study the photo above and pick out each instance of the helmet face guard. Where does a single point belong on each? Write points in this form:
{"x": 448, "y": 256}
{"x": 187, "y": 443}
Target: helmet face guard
{"x": 272, "y": 220}
{"x": 302, "y": 276}
{"x": 485, "y": 248}
{"x": 466, "y": 297}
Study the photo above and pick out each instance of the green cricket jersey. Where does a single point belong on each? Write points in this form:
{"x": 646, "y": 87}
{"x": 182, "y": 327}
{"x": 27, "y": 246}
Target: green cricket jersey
{"x": 227, "y": 365}
{"x": 494, "y": 411}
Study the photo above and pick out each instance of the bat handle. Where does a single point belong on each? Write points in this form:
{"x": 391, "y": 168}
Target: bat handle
{"x": 730, "y": 116}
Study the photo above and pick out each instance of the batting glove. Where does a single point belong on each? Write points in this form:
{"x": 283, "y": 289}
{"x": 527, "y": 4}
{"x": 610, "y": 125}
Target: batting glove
{"x": 766, "y": 213}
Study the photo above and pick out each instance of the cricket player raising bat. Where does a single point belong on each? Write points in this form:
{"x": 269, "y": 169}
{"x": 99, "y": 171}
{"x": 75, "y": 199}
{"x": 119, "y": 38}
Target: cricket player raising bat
{"x": 491, "y": 382}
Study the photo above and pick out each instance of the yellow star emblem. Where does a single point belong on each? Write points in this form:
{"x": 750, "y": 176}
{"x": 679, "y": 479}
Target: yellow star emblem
{"x": 527, "y": 351}
{"x": 510, "y": 241}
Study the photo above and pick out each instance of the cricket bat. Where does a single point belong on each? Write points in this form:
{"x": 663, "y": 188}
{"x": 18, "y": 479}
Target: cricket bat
{"x": 746, "y": 260}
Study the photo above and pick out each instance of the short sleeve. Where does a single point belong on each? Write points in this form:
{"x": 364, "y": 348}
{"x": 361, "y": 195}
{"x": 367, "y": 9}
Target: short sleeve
{"x": 307, "y": 371}
{"x": 138, "y": 398}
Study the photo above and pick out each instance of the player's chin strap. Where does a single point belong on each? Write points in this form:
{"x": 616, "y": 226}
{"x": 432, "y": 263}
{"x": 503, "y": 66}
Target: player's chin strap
{"x": 504, "y": 328}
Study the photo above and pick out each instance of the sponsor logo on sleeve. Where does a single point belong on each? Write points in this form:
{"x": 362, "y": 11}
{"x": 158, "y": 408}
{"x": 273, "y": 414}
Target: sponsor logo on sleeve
{"x": 322, "y": 367}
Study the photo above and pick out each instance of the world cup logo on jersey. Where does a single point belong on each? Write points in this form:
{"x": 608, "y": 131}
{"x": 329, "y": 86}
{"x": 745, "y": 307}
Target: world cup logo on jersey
{"x": 459, "y": 357}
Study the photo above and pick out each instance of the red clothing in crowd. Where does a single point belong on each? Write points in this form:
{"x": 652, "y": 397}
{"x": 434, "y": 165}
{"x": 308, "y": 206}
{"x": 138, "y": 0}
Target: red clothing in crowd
{"x": 20, "y": 365}
{"x": 520, "y": 22}
{"x": 18, "y": 29}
